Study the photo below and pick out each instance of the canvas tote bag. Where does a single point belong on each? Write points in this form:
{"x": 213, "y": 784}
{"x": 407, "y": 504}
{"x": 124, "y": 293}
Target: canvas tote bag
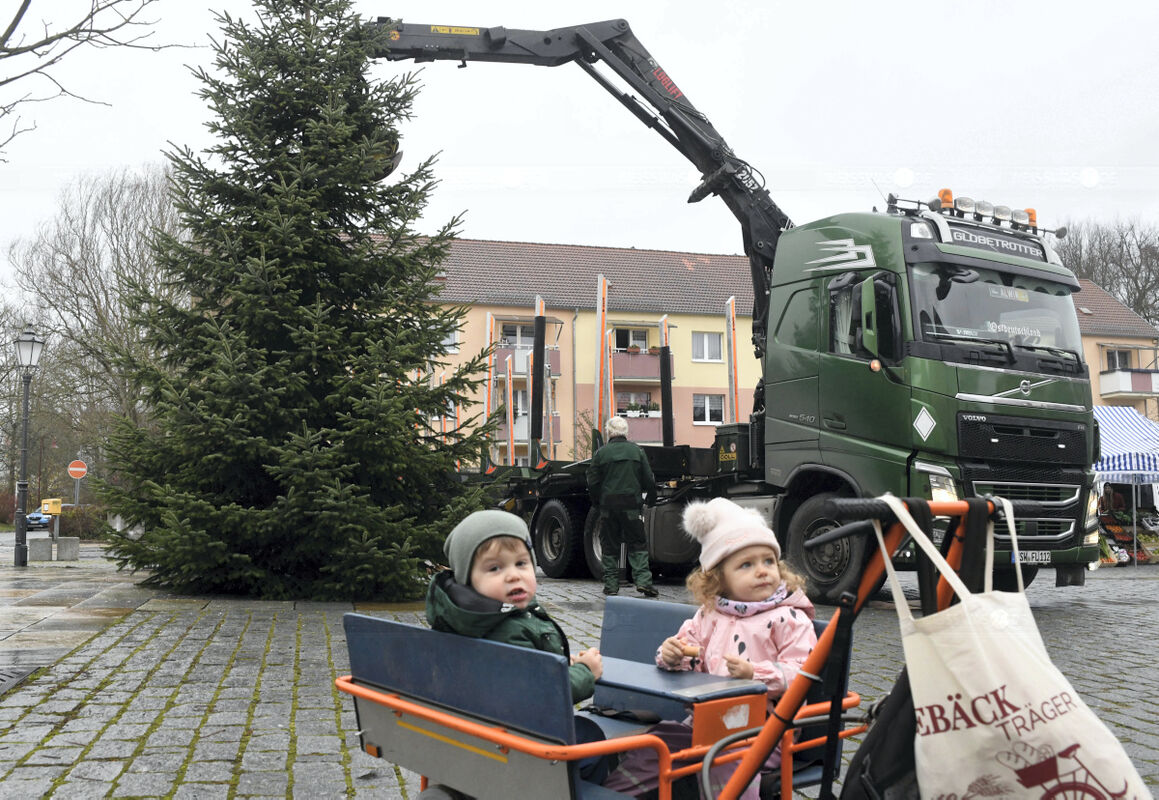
{"x": 995, "y": 718}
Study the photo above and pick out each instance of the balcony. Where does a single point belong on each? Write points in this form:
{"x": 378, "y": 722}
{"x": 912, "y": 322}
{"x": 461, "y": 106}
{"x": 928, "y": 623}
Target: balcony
{"x": 638, "y": 367}
{"x": 519, "y": 359}
{"x": 523, "y": 425}
{"x": 1129, "y": 384}
{"x": 645, "y": 430}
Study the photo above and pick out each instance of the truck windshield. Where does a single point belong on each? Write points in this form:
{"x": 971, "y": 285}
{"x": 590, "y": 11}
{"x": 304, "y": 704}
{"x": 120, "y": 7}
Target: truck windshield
{"x": 1002, "y": 310}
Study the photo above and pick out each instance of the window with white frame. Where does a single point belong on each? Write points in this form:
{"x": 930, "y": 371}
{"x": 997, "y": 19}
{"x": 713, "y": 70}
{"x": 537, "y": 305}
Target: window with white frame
{"x": 513, "y": 334}
{"x": 520, "y": 407}
{"x": 451, "y": 341}
{"x": 706, "y": 346}
{"x": 631, "y": 337}
{"x": 708, "y": 409}
{"x": 641, "y": 400}
{"x": 1118, "y": 359}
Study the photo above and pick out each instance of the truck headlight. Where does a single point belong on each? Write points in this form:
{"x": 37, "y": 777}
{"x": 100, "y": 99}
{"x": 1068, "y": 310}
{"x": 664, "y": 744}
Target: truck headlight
{"x": 1092, "y": 522}
{"x": 942, "y": 489}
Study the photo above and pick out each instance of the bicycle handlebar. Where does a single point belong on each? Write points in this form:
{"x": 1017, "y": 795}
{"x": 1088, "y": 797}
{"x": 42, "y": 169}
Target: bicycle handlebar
{"x": 859, "y": 510}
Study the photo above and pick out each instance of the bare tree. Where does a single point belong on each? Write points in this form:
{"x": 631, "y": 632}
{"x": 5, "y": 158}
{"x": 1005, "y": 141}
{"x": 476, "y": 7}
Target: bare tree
{"x": 1121, "y": 257}
{"x": 79, "y": 269}
{"x": 31, "y": 48}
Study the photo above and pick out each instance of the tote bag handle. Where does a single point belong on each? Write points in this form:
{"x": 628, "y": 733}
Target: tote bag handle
{"x": 923, "y": 541}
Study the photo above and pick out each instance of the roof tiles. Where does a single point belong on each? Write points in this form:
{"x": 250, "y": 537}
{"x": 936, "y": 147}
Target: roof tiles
{"x": 1108, "y": 316}
{"x": 658, "y": 281}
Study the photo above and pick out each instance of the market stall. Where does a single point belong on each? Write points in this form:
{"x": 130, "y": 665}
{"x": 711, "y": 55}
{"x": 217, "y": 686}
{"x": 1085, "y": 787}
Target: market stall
{"x": 1129, "y": 462}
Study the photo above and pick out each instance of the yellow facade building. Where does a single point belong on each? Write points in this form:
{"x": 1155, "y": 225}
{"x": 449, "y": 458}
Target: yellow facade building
{"x": 503, "y": 279}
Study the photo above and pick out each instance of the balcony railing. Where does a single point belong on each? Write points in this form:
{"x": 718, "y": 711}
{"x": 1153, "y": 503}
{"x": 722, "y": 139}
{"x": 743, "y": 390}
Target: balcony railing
{"x": 523, "y": 425}
{"x": 519, "y": 359}
{"x": 1129, "y": 383}
{"x": 637, "y": 367}
{"x": 645, "y": 430}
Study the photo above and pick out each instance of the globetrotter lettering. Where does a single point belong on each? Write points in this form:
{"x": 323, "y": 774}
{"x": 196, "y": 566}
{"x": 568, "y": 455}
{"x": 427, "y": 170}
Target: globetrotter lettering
{"x": 992, "y": 709}
{"x": 996, "y": 243}
{"x": 668, "y": 84}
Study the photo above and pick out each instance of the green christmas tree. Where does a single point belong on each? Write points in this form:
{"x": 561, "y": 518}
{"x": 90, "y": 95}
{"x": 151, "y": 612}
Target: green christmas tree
{"x": 290, "y": 450}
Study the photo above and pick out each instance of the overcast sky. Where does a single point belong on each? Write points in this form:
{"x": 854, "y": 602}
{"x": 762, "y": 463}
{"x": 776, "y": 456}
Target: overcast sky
{"x": 1046, "y": 104}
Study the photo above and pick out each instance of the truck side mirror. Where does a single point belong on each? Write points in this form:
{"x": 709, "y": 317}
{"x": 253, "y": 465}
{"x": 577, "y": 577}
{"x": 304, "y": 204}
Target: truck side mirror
{"x": 868, "y": 317}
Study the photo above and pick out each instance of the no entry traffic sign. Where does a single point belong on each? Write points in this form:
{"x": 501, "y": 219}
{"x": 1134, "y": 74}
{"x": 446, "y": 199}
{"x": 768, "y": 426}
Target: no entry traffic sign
{"x": 77, "y": 469}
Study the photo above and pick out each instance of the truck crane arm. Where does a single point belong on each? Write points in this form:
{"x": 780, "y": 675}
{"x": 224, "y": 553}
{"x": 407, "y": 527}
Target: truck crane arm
{"x": 673, "y": 117}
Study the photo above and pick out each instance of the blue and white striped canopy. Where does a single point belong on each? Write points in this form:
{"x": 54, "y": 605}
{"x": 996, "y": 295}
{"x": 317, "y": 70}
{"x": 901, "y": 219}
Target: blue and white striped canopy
{"x": 1130, "y": 446}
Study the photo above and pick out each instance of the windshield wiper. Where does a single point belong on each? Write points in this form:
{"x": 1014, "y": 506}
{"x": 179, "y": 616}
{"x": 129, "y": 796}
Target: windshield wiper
{"x": 1003, "y": 343}
{"x": 1058, "y": 351}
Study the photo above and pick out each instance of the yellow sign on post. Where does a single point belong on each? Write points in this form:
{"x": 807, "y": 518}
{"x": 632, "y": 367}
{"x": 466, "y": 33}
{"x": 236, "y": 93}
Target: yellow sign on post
{"x": 50, "y": 506}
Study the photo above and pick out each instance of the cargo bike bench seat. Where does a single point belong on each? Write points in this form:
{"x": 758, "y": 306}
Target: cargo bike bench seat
{"x": 496, "y": 720}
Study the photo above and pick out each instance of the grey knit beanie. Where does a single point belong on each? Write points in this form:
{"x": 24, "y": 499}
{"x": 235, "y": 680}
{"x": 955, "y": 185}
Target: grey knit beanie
{"x": 475, "y": 529}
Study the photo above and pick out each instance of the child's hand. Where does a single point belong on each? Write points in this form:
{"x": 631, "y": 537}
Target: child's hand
{"x": 591, "y": 659}
{"x": 738, "y": 667}
{"x": 672, "y": 651}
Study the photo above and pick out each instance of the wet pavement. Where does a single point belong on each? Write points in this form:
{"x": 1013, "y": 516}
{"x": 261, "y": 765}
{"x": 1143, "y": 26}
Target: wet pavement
{"x": 140, "y": 693}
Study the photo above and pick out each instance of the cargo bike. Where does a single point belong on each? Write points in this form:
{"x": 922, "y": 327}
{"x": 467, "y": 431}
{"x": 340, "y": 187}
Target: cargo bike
{"x": 496, "y": 721}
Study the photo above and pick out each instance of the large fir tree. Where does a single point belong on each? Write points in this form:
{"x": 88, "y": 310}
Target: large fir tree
{"x": 289, "y": 452}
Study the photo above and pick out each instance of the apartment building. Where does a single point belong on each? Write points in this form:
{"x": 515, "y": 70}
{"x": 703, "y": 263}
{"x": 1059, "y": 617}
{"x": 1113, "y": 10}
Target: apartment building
{"x": 691, "y": 289}
{"x": 1121, "y": 349}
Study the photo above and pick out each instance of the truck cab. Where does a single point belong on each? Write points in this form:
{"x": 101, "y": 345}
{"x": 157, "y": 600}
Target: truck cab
{"x": 929, "y": 351}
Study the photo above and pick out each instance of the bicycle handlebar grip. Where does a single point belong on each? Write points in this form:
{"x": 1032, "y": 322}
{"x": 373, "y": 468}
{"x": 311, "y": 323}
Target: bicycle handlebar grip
{"x": 857, "y": 508}
{"x": 1024, "y": 508}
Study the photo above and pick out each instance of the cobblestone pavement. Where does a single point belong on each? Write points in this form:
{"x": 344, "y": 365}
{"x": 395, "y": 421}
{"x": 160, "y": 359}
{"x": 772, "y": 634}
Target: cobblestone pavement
{"x": 145, "y": 694}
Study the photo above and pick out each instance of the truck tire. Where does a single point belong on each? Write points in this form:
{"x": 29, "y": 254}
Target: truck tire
{"x": 1006, "y": 581}
{"x": 592, "y": 549}
{"x": 558, "y": 537}
{"x": 831, "y": 569}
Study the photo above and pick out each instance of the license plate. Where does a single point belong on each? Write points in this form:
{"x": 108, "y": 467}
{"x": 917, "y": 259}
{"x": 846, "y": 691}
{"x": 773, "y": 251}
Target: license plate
{"x": 1032, "y": 556}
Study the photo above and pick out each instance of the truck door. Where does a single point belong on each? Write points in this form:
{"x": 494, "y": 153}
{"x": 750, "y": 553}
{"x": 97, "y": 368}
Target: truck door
{"x": 865, "y": 395}
{"x": 791, "y": 367}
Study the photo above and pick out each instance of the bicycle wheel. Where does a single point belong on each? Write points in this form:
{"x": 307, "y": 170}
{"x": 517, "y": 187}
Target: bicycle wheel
{"x": 1073, "y": 790}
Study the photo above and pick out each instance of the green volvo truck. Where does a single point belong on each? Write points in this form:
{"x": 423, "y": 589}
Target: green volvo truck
{"x": 929, "y": 349}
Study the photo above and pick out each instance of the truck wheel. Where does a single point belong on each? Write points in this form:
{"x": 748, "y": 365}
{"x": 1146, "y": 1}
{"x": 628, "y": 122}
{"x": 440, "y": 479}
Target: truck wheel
{"x": 1006, "y": 581}
{"x": 557, "y": 539}
{"x": 831, "y": 569}
{"x": 592, "y": 549}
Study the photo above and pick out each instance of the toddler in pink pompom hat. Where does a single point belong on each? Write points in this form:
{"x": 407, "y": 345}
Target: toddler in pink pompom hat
{"x": 754, "y": 621}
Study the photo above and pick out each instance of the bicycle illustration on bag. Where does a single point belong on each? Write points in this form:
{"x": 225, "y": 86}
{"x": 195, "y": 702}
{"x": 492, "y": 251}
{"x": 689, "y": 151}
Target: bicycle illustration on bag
{"x": 1039, "y": 766}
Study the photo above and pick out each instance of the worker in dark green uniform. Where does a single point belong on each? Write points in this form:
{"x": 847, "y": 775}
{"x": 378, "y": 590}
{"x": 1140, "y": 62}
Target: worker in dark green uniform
{"x": 617, "y": 477}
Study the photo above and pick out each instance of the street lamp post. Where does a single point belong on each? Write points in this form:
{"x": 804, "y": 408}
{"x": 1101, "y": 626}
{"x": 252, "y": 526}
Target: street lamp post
{"x": 28, "y": 347}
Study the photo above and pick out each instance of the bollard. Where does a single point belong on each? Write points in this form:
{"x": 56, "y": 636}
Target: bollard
{"x": 68, "y": 548}
{"x": 40, "y": 549}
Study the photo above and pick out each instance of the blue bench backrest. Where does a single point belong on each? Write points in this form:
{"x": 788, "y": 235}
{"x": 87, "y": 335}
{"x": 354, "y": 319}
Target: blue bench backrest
{"x": 517, "y": 687}
{"x": 634, "y": 628}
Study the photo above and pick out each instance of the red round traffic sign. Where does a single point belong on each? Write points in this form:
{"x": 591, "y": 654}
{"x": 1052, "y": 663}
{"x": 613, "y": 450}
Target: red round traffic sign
{"x": 78, "y": 469}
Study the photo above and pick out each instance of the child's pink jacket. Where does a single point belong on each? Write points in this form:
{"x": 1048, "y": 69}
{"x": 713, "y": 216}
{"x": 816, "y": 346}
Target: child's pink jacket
{"x": 776, "y": 641}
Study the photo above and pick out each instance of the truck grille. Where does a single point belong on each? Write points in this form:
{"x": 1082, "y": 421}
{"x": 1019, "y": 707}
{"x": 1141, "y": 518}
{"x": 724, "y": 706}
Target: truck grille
{"x": 1058, "y": 488}
{"x": 995, "y": 437}
{"x": 1058, "y": 494}
{"x": 1036, "y": 532}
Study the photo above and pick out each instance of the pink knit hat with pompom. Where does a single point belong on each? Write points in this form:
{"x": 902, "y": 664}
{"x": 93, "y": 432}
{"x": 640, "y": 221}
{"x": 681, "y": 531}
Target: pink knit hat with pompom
{"x": 723, "y": 527}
